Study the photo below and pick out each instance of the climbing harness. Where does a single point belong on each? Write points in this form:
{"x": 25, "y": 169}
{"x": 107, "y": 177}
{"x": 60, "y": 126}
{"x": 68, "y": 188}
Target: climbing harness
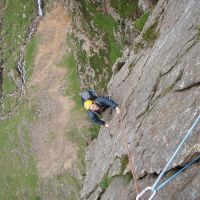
{"x": 157, "y": 187}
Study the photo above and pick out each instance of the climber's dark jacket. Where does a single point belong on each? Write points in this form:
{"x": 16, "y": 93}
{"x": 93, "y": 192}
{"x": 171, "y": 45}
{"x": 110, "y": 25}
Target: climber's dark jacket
{"x": 103, "y": 103}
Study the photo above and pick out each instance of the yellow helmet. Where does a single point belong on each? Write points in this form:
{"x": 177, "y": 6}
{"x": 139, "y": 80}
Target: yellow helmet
{"x": 87, "y": 104}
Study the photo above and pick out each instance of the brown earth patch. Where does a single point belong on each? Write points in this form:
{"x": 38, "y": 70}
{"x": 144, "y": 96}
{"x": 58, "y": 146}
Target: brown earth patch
{"x": 54, "y": 152}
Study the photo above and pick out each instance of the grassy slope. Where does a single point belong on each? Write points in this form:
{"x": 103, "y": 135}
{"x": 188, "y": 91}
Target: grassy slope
{"x": 140, "y": 22}
{"x": 17, "y": 18}
{"x": 105, "y": 24}
{"x": 64, "y": 184}
{"x": 125, "y": 8}
{"x": 78, "y": 135}
{"x": 18, "y": 171}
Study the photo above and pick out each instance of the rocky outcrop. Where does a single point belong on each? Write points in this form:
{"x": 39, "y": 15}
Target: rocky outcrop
{"x": 145, "y": 5}
{"x": 158, "y": 91}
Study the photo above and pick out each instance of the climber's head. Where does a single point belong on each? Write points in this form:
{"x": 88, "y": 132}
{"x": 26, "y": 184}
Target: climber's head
{"x": 87, "y": 104}
{"x": 90, "y": 105}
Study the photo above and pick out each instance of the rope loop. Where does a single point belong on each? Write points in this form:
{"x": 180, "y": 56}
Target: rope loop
{"x": 144, "y": 191}
{"x": 156, "y": 186}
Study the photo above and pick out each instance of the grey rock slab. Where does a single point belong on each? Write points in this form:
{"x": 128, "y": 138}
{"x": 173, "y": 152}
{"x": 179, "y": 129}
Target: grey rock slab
{"x": 119, "y": 190}
{"x": 185, "y": 186}
{"x": 95, "y": 195}
{"x": 145, "y": 5}
{"x": 115, "y": 168}
{"x": 159, "y": 98}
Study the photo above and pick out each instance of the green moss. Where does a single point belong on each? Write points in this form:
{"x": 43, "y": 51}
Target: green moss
{"x": 94, "y": 130}
{"x": 150, "y": 35}
{"x": 166, "y": 90}
{"x": 124, "y": 162}
{"x": 127, "y": 178}
{"x": 140, "y": 22}
{"x": 198, "y": 34}
{"x": 105, "y": 182}
{"x": 125, "y": 8}
{"x": 137, "y": 46}
{"x": 73, "y": 196}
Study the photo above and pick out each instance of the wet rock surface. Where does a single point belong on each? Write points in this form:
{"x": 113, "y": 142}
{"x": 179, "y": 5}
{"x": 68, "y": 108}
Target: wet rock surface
{"x": 158, "y": 90}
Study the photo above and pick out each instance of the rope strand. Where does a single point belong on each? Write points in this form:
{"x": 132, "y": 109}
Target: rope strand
{"x": 137, "y": 188}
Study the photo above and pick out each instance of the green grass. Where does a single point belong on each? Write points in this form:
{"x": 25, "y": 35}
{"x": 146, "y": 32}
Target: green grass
{"x": 16, "y": 19}
{"x": 150, "y": 35}
{"x": 124, "y": 162}
{"x": 107, "y": 24}
{"x": 140, "y": 22}
{"x": 125, "y": 8}
{"x": 78, "y": 135}
{"x": 9, "y": 102}
{"x": 62, "y": 186}
{"x": 198, "y": 34}
{"x": 105, "y": 182}
{"x": 93, "y": 131}
{"x": 18, "y": 173}
{"x": 127, "y": 178}
{"x": 137, "y": 46}
{"x": 73, "y": 196}
{"x": 30, "y": 54}
{"x": 18, "y": 16}
{"x": 73, "y": 84}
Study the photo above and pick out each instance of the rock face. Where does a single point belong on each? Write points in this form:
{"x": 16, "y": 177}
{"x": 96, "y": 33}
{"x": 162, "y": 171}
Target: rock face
{"x": 159, "y": 95}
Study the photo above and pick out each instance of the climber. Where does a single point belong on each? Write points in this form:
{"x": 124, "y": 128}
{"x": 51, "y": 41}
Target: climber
{"x": 96, "y": 105}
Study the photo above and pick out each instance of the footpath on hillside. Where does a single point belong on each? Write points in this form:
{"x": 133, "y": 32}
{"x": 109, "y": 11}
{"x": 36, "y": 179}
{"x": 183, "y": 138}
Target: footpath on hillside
{"x": 55, "y": 153}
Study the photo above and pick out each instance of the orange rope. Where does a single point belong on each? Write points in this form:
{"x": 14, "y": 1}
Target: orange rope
{"x": 137, "y": 188}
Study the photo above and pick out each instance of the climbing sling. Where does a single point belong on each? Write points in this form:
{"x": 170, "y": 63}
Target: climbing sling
{"x": 157, "y": 187}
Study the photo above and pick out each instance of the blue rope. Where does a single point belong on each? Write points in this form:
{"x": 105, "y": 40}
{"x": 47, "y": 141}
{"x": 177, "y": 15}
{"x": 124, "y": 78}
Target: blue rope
{"x": 177, "y": 173}
{"x": 154, "y": 188}
{"x": 175, "y": 153}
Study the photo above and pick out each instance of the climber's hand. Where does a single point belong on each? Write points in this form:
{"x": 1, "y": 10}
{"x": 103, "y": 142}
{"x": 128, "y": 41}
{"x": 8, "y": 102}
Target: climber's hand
{"x": 117, "y": 110}
{"x": 107, "y": 125}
